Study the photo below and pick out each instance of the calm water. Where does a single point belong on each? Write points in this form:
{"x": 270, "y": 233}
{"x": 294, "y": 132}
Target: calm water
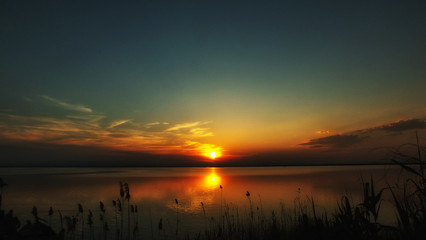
{"x": 154, "y": 191}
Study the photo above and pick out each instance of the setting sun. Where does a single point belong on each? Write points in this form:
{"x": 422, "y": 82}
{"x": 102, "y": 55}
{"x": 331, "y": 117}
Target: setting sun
{"x": 210, "y": 151}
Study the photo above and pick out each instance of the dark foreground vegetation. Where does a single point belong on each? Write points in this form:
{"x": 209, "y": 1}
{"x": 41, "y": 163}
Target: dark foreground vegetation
{"x": 303, "y": 221}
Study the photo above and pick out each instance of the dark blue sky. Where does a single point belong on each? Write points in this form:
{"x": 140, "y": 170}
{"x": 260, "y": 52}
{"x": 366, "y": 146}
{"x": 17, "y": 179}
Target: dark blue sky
{"x": 248, "y": 74}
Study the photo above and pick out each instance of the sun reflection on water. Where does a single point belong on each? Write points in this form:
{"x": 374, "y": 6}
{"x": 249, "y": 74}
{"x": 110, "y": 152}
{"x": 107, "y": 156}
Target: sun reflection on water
{"x": 212, "y": 180}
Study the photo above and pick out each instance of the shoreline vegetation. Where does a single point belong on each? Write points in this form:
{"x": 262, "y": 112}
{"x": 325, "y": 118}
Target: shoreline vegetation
{"x": 303, "y": 221}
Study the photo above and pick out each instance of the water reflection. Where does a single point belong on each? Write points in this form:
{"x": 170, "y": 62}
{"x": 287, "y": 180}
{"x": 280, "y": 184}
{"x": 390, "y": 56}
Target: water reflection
{"x": 212, "y": 180}
{"x": 190, "y": 191}
{"x": 154, "y": 190}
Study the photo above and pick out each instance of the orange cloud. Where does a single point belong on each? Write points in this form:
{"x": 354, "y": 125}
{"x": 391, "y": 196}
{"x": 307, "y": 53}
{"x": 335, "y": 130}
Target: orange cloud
{"x": 89, "y": 130}
{"x": 326, "y": 131}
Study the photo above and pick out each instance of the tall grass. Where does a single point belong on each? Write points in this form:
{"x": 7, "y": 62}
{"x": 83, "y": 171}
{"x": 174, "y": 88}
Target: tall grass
{"x": 411, "y": 203}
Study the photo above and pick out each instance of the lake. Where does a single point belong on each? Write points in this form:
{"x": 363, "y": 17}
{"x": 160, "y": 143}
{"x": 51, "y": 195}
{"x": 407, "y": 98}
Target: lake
{"x": 174, "y": 195}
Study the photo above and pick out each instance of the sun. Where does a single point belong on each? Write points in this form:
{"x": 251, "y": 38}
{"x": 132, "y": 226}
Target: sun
{"x": 210, "y": 152}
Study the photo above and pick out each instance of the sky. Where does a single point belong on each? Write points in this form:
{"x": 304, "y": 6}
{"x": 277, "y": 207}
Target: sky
{"x": 168, "y": 82}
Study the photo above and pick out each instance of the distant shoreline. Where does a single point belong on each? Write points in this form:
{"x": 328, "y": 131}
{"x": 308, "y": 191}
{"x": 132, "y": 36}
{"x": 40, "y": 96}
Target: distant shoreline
{"x": 209, "y": 166}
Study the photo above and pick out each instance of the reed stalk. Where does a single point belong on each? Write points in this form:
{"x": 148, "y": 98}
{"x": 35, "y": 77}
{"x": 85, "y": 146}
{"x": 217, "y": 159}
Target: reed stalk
{"x": 177, "y": 218}
{"x": 50, "y": 213}
{"x": 251, "y": 206}
{"x": 127, "y": 197}
{"x": 90, "y": 223}
{"x": 80, "y": 210}
{"x": 2, "y": 185}
{"x": 150, "y": 220}
{"x": 221, "y": 203}
{"x": 204, "y": 214}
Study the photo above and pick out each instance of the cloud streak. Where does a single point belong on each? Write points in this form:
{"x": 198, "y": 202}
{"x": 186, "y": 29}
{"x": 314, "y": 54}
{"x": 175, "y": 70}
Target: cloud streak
{"x": 118, "y": 123}
{"x": 335, "y": 141}
{"x": 74, "y": 107}
{"x": 189, "y": 125}
{"x": 350, "y": 139}
{"x": 404, "y": 125}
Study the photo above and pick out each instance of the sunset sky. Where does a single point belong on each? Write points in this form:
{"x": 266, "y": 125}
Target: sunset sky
{"x": 266, "y": 82}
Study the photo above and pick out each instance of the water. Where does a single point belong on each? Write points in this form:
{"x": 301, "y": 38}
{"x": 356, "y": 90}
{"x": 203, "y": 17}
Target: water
{"x": 154, "y": 191}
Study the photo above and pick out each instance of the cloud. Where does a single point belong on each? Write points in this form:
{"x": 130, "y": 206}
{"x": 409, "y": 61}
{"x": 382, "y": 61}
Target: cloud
{"x": 46, "y": 129}
{"x": 156, "y": 124}
{"x": 118, "y": 135}
{"x": 186, "y": 126}
{"x": 87, "y": 117}
{"x": 326, "y": 131}
{"x": 148, "y": 125}
{"x": 202, "y": 132}
{"x": 335, "y": 141}
{"x": 74, "y": 107}
{"x": 351, "y": 138}
{"x": 404, "y": 125}
{"x": 118, "y": 123}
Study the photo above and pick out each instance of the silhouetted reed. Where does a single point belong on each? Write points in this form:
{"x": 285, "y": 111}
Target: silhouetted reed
{"x": 104, "y": 224}
{"x": 251, "y": 206}
{"x": 71, "y": 225}
{"x": 177, "y": 218}
{"x": 119, "y": 202}
{"x": 117, "y": 209}
{"x": 90, "y": 223}
{"x": 50, "y": 213}
{"x": 160, "y": 227}
{"x": 134, "y": 211}
{"x": 81, "y": 212}
{"x": 34, "y": 212}
{"x": 127, "y": 197}
{"x": 204, "y": 214}
{"x": 2, "y": 185}
{"x": 221, "y": 205}
{"x": 61, "y": 220}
